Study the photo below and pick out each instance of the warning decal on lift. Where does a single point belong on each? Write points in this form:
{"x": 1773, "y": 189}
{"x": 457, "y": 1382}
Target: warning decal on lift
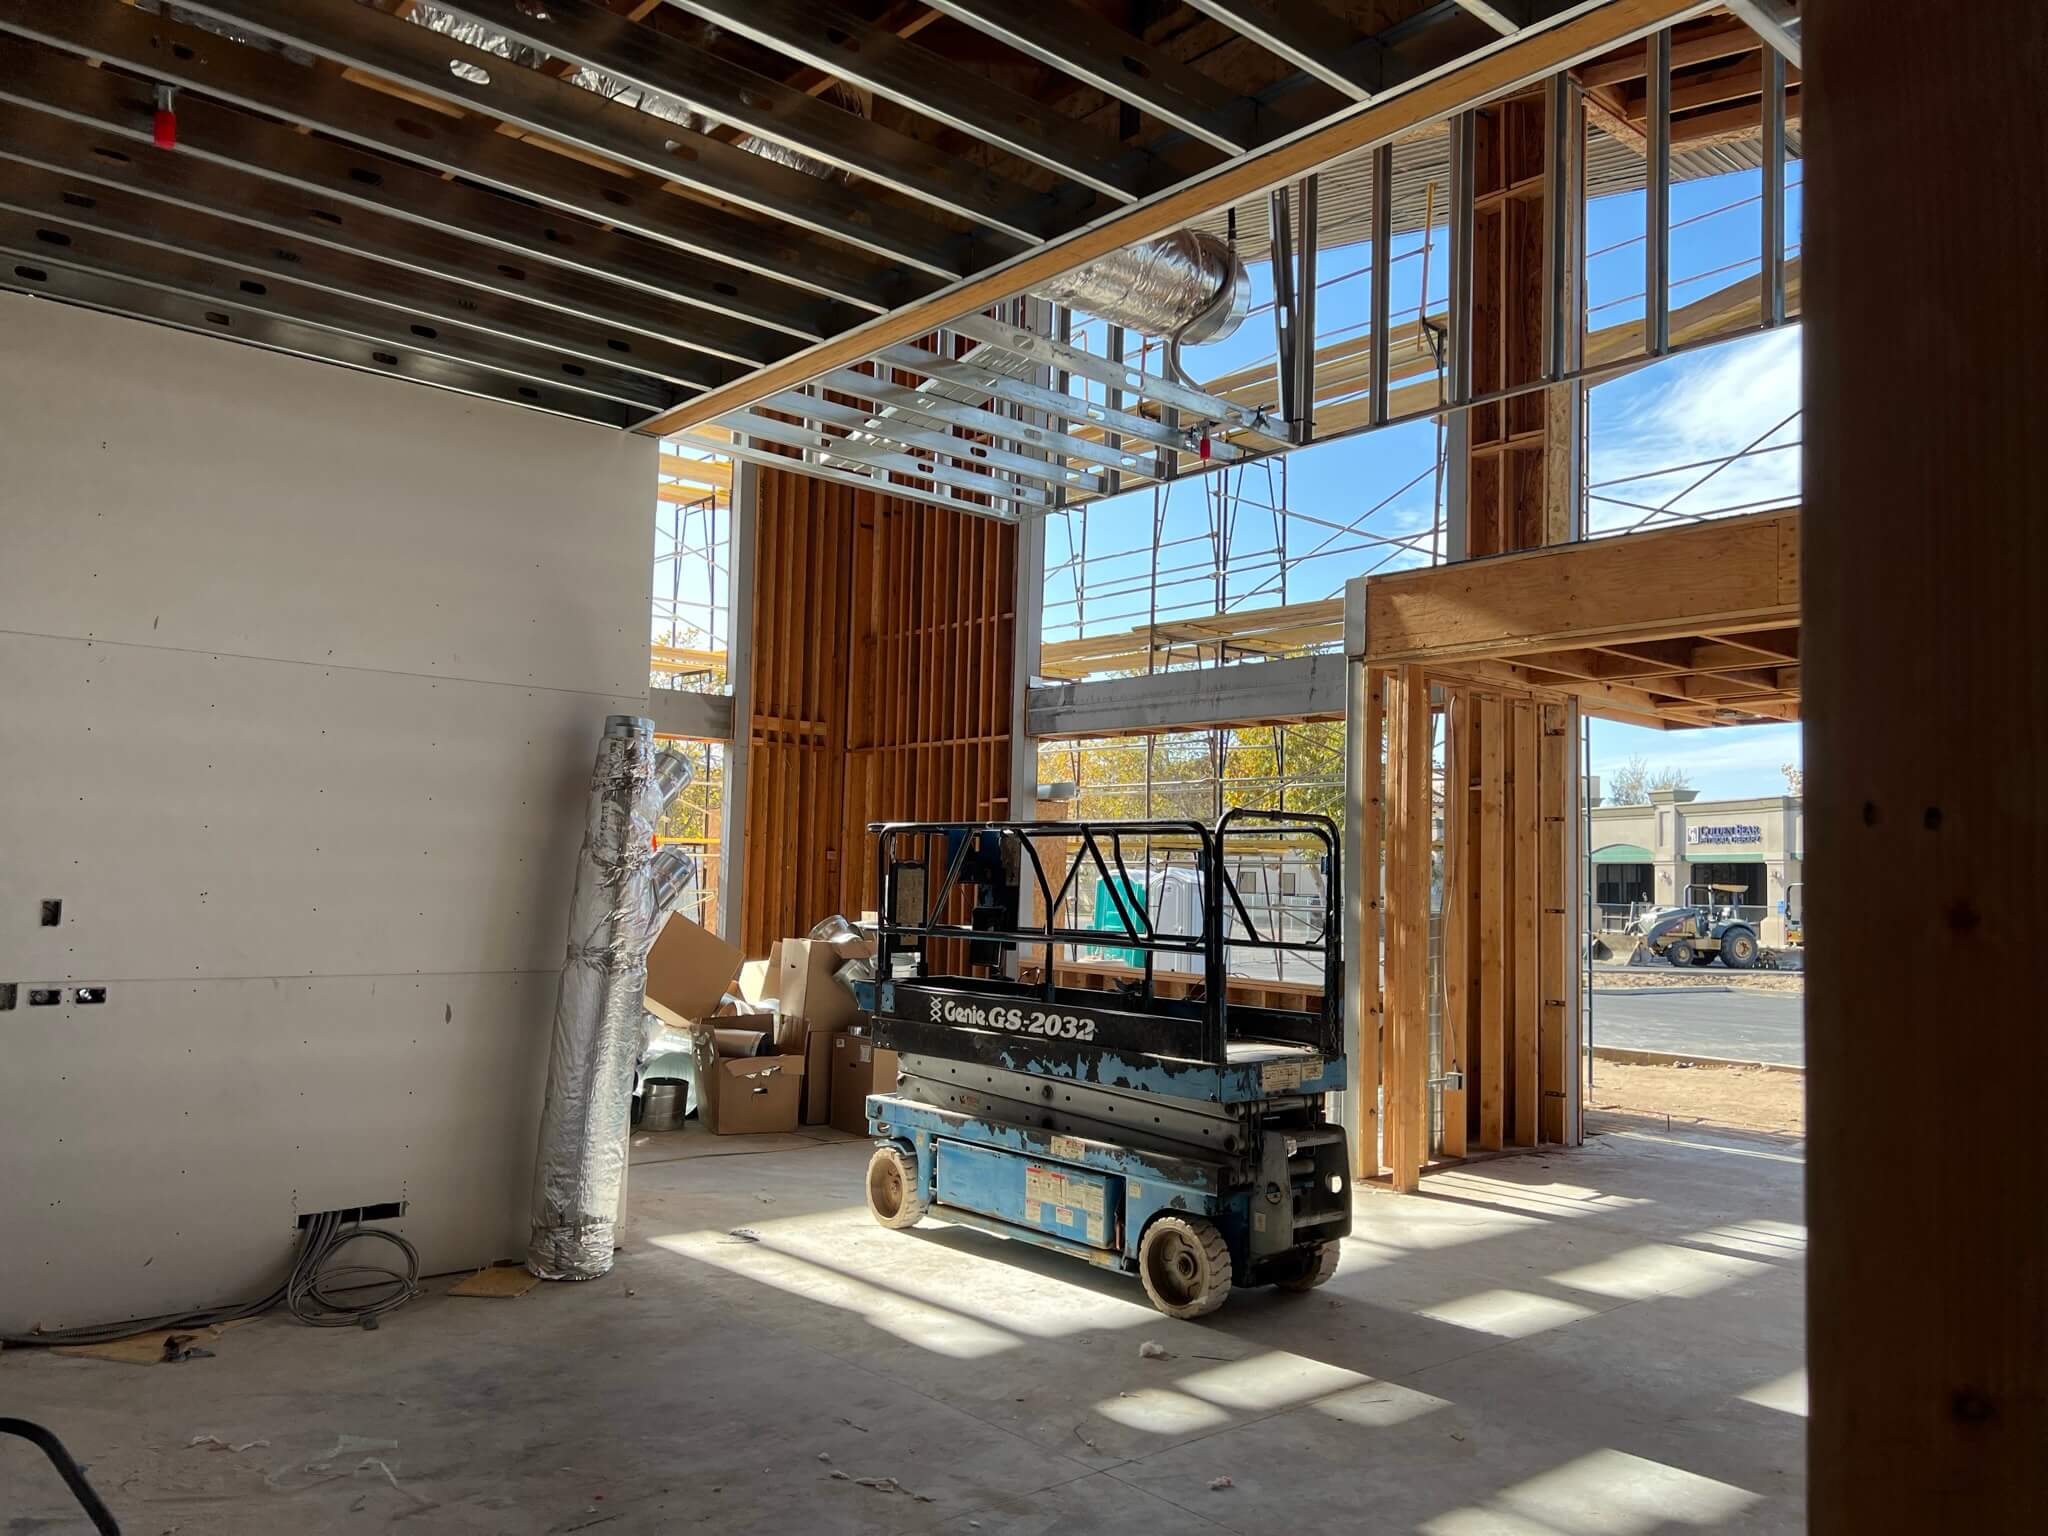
{"x": 1050, "y": 1195}
{"x": 1067, "y": 1146}
{"x": 1287, "y": 1076}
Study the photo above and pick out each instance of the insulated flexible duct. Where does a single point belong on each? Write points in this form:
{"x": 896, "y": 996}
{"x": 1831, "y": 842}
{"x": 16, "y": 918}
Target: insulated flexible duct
{"x": 613, "y": 917}
{"x": 1188, "y": 287}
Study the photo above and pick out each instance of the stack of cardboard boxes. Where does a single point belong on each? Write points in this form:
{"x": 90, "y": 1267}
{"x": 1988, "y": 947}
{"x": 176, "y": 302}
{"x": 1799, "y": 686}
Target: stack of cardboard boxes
{"x": 785, "y": 1055}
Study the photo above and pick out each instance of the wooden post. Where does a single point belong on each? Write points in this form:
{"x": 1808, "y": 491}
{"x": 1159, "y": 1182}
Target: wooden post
{"x": 1555, "y": 963}
{"x": 1407, "y": 992}
{"x": 1369, "y": 1074}
{"x": 1925, "y": 703}
{"x": 1457, "y": 872}
{"x": 1492, "y": 928}
{"x": 1527, "y": 995}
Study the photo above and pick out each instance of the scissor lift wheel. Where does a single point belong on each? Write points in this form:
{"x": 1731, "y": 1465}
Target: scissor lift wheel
{"x": 1185, "y": 1265}
{"x": 893, "y": 1194}
{"x": 1305, "y": 1268}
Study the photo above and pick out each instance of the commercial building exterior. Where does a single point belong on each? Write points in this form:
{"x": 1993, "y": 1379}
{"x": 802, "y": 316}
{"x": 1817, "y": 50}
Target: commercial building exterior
{"x": 1651, "y": 853}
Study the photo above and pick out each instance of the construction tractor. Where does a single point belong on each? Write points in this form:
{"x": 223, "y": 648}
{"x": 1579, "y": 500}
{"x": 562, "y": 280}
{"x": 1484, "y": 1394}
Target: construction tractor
{"x": 1706, "y": 925}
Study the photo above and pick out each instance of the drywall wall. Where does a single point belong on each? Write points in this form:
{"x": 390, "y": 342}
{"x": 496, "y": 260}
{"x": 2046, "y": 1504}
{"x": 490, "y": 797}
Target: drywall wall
{"x": 303, "y": 671}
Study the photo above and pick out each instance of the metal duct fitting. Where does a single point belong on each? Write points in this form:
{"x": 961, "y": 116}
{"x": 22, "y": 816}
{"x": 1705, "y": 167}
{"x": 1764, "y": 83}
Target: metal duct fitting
{"x": 597, "y": 1035}
{"x": 1188, "y": 287}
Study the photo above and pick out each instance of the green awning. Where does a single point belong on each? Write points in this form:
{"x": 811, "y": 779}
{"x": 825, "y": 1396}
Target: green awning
{"x": 1719, "y": 856}
{"x": 1623, "y": 853}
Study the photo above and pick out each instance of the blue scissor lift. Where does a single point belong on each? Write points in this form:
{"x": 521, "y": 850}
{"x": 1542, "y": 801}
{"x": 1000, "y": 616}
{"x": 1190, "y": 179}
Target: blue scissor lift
{"x": 1180, "y": 1139}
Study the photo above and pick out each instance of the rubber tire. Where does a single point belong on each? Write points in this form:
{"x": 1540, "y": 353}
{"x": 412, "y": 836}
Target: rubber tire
{"x": 1305, "y": 1268}
{"x": 1733, "y": 939}
{"x": 1190, "y": 1253}
{"x": 1681, "y": 952}
{"x": 893, "y": 1197}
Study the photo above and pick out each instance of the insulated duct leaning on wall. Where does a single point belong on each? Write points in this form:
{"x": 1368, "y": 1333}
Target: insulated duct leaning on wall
{"x": 613, "y": 918}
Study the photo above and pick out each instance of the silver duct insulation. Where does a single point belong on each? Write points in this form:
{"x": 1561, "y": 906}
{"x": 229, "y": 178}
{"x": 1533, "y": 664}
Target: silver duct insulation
{"x": 1188, "y": 287}
{"x": 613, "y": 917}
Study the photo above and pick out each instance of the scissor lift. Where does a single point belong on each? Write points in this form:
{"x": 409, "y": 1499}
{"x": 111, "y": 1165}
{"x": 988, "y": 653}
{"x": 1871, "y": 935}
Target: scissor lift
{"x": 1179, "y": 1138}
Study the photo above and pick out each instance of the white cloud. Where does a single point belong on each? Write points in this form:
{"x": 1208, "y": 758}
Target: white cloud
{"x": 1701, "y": 406}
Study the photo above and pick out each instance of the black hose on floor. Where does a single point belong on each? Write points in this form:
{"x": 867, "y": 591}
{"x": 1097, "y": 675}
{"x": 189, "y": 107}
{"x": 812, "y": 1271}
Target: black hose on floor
{"x": 73, "y": 1475}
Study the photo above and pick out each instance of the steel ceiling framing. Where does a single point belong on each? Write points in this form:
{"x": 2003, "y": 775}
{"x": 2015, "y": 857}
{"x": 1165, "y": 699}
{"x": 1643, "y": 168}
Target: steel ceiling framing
{"x": 349, "y": 184}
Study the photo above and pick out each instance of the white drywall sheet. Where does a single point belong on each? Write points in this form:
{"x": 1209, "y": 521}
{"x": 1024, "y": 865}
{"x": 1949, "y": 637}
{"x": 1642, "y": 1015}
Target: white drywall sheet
{"x": 301, "y": 675}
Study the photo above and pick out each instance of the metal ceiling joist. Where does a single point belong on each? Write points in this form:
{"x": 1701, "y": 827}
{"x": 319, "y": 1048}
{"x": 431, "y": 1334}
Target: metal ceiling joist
{"x": 1319, "y": 44}
{"x": 933, "y": 86}
{"x": 861, "y": 479}
{"x": 1073, "y": 408}
{"x": 1507, "y": 17}
{"x": 692, "y": 251}
{"x": 574, "y": 313}
{"x": 1074, "y": 40}
{"x": 39, "y": 239}
{"x": 1089, "y": 365}
{"x": 55, "y": 279}
{"x": 895, "y": 431}
{"x": 587, "y": 34}
{"x": 1448, "y": 74}
{"x": 567, "y": 113}
{"x": 948, "y": 413}
{"x": 877, "y": 456}
{"x": 340, "y": 179}
{"x": 421, "y": 306}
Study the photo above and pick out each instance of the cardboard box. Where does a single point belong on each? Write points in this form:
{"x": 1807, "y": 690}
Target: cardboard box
{"x": 806, "y": 989}
{"x": 859, "y": 1068}
{"x": 688, "y": 969}
{"x": 818, "y": 1077}
{"x": 753, "y": 1095}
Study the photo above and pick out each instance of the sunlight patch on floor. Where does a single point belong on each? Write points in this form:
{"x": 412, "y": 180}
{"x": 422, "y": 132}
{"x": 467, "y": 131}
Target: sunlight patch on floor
{"x": 1507, "y": 1313}
{"x": 1604, "y": 1493}
{"x": 1787, "y": 1394}
{"x": 1659, "y": 1269}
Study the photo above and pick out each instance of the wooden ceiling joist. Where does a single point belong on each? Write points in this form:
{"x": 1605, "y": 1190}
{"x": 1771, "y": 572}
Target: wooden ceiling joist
{"x": 1676, "y": 627}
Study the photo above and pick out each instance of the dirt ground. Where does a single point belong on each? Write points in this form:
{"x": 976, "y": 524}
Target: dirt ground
{"x": 1738, "y": 1098}
{"x": 1699, "y": 976}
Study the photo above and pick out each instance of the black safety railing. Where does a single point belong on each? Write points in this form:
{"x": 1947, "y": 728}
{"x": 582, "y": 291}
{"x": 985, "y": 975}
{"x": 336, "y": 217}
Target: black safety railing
{"x": 1006, "y": 858}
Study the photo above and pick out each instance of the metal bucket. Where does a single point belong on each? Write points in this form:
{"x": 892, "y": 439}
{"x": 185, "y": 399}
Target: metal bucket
{"x": 663, "y": 1104}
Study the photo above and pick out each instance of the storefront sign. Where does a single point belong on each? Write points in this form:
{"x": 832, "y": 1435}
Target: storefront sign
{"x": 1734, "y": 834}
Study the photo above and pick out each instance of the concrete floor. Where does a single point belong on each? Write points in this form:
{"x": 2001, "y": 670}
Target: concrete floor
{"x": 1607, "y": 1342}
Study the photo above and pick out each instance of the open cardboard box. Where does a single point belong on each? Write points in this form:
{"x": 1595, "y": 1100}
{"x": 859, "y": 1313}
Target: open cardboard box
{"x": 747, "y": 1095}
{"x": 688, "y": 970}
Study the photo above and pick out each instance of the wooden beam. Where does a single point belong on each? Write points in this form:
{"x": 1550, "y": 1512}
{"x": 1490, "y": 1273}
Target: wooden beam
{"x": 1927, "y": 717}
{"x": 1534, "y": 56}
{"x": 1720, "y": 39}
{"x": 1408, "y": 869}
{"x": 1738, "y": 571}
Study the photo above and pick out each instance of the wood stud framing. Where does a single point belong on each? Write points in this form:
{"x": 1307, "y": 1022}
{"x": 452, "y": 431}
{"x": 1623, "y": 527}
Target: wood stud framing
{"x": 881, "y": 669}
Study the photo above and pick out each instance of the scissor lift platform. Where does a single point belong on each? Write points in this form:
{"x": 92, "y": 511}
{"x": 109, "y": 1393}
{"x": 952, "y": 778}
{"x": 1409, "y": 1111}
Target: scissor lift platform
{"x": 1181, "y": 1140}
